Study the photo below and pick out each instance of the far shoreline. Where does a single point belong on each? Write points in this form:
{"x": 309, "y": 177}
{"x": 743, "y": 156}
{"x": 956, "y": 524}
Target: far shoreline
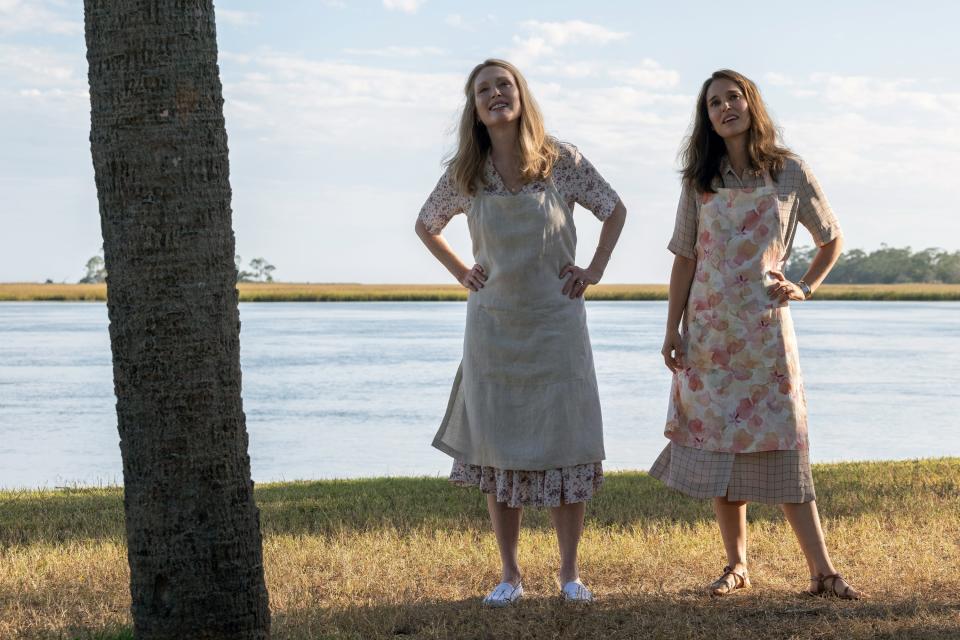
{"x": 354, "y": 292}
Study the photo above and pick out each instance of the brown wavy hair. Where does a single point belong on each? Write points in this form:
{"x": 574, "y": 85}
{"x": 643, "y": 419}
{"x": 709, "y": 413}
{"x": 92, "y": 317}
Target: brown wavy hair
{"x": 538, "y": 150}
{"x": 704, "y": 148}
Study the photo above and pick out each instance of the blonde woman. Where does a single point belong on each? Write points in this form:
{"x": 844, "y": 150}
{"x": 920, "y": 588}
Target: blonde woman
{"x": 737, "y": 418}
{"x": 523, "y": 421}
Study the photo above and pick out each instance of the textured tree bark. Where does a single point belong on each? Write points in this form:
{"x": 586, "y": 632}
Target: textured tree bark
{"x": 159, "y": 150}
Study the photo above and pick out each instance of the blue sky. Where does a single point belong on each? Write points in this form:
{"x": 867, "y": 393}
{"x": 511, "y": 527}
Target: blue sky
{"x": 339, "y": 113}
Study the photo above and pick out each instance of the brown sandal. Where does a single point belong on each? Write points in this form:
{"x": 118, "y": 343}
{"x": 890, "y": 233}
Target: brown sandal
{"x": 721, "y": 586}
{"x": 822, "y": 589}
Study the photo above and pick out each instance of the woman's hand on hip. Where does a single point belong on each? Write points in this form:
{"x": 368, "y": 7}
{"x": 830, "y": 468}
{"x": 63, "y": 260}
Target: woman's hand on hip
{"x": 474, "y": 278}
{"x": 671, "y": 350}
{"x": 784, "y": 290}
{"x": 577, "y": 280}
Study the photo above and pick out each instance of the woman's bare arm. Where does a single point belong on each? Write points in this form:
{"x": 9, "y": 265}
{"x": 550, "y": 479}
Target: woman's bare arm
{"x": 820, "y": 267}
{"x": 823, "y": 262}
{"x": 681, "y": 275}
{"x": 609, "y": 235}
{"x": 471, "y": 278}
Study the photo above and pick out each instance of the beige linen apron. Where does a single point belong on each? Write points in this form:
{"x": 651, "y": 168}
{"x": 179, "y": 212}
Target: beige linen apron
{"x": 525, "y": 396}
{"x": 739, "y": 389}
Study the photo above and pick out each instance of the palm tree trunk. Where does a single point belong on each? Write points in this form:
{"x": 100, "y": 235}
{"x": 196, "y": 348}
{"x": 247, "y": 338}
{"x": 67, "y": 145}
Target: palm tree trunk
{"x": 159, "y": 150}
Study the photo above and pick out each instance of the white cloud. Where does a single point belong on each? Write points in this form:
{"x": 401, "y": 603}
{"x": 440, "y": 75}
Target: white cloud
{"x": 238, "y": 18}
{"x": 868, "y": 151}
{"x": 314, "y": 103}
{"x": 473, "y": 24}
{"x": 406, "y": 6}
{"x": 17, "y": 16}
{"x": 545, "y": 38}
{"x": 870, "y": 130}
{"x": 649, "y": 74}
{"x": 618, "y": 119}
{"x": 397, "y": 52}
{"x": 526, "y": 50}
{"x": 573, "y": 31}
{"x": 777, "y": 79}
{"x": 574, "y": 70}
{"x": 864, "y": 93}
{"x": 52, "y": 93}
{"x": 304, "y": 102}
{"x": 28, "y": 67}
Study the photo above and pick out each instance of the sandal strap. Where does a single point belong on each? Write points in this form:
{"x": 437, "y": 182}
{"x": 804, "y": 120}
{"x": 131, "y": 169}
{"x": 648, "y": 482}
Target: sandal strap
{"x": 821, "y": 581}
{"x": 738, "y": 579}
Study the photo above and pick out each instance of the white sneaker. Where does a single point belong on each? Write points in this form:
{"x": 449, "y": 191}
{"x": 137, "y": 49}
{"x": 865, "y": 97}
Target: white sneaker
{"x": 575, "y": 591}
{"x": 504, "y": 594}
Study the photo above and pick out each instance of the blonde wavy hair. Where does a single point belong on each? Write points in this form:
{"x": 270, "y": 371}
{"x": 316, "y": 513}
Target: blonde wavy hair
{"x": 704, "y": 148}
{"x": 538, "y": 150}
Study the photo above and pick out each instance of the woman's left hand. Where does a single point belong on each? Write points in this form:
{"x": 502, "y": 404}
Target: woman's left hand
{"x": 577, "y": 280}
{"x": 784, "y": 290}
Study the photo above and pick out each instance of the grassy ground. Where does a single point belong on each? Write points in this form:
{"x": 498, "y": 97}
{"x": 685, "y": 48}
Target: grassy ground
{"x": 299, "y": 292}
{"x": 410, "y": 558}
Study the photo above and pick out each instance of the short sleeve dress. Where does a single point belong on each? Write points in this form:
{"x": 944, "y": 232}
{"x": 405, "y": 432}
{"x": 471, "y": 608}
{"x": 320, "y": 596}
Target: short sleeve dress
{"x": 577, "y": 182}
{"x": 775, "y": 476}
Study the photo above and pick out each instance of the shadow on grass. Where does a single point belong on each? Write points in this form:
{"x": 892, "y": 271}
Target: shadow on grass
{"x": 614, "y": 618}
{"x": 649, "y": 616}
{"x": 910, "y": 488}
{"x": 125, "y": 633}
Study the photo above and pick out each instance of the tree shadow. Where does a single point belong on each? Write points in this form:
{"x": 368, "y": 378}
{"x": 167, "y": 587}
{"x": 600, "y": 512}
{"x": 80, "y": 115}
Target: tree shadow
{"x": 768, "y": 615}
{"x": 672, "y": 616}
{"x": 113, "y": 633}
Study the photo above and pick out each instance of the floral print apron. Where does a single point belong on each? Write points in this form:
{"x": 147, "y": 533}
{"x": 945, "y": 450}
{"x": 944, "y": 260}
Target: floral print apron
{"x": 739, "y": 387}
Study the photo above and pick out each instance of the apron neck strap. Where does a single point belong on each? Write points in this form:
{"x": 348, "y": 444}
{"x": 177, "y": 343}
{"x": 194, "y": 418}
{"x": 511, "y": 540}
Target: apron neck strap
{"x": 767, "y": 180}
{"x": 549, "y": 185}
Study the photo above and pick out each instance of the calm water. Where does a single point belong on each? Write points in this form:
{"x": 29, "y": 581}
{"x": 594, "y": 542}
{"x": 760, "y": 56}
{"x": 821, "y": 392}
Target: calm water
{"x": 358, "y": 389}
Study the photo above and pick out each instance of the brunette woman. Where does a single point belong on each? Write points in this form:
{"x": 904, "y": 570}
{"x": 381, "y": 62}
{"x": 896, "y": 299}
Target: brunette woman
{"x": 737, "y": 418}
{"x": 523, "y": 421}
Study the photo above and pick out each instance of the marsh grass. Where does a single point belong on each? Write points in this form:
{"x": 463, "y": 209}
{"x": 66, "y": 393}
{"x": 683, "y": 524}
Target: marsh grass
{"x": 411, "y": 557}
{"x": 294, "y": 292}
{"x": 29, "y": 292}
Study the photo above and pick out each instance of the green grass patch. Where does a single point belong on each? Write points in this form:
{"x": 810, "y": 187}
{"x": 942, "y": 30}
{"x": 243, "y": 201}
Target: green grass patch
{"x": 325, "y": 507}
{"x": 411, "y": 557}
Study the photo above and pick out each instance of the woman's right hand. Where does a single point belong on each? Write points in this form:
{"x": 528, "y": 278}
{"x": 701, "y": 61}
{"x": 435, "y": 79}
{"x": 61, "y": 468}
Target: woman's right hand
{"x": 474, "y": 278}
{"x": 671, "y": 350}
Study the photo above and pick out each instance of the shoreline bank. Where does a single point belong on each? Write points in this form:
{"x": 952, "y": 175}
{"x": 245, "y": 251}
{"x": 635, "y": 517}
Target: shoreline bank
{"x": 309, "y": 292}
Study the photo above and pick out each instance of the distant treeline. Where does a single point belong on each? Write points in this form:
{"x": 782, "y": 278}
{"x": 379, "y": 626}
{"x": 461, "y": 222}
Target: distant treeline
{"x": 886, "y": 265}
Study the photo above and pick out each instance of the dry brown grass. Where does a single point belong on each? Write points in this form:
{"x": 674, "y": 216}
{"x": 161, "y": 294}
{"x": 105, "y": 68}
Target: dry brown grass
{"x": 911, "y": 291}
{"x": 28, "y": 291}
{"x": 410, "y": 557}
{"x": 300, "y": 292}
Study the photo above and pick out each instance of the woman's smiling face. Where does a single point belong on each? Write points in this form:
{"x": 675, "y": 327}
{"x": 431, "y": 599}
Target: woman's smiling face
{"x": 496, "y": 96}
{"x": 728, "y": 109}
